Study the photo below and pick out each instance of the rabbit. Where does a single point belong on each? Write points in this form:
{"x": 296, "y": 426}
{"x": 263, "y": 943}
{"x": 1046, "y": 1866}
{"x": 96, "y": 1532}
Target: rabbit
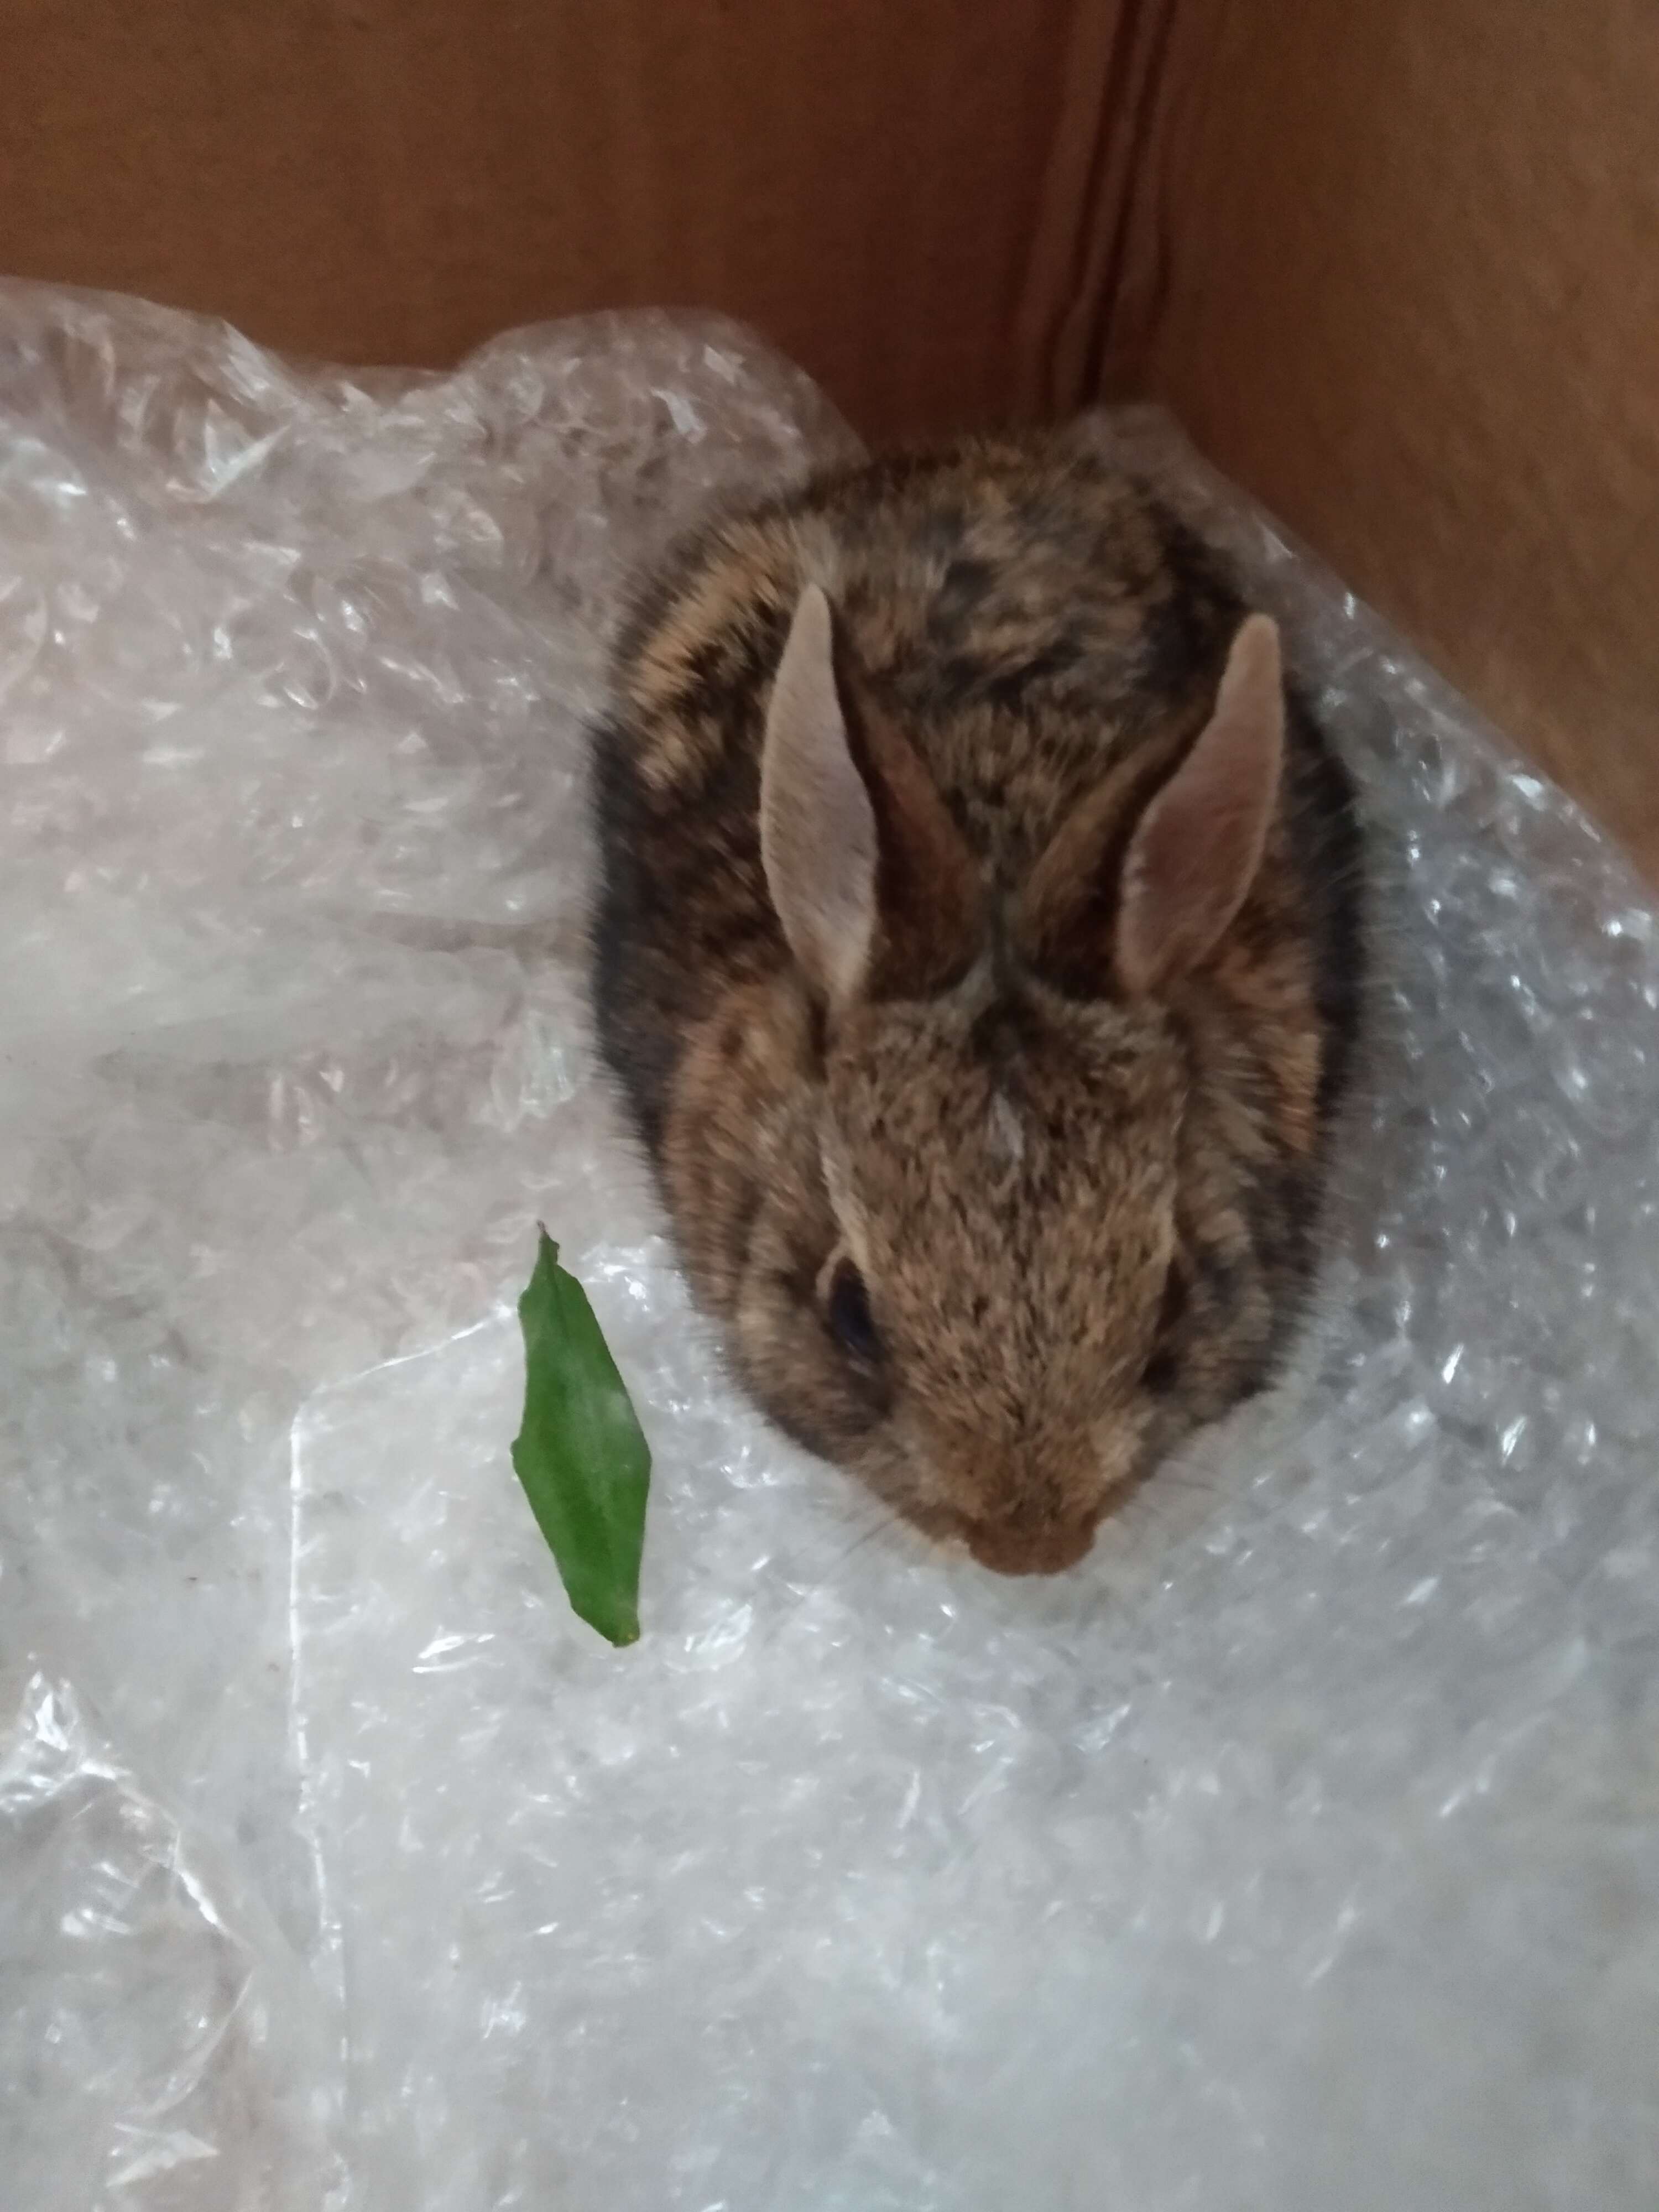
{"x": 978, "y": 951}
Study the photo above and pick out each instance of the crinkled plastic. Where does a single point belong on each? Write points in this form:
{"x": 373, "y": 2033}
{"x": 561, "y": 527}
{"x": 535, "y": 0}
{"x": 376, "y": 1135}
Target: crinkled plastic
{"x": 1297, "y": 1852}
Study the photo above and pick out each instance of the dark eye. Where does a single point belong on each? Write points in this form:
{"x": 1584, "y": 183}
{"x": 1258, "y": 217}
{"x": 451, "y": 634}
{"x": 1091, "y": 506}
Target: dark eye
{"x": 846, "y": 1314}
{"x": 1159, "y": 1373}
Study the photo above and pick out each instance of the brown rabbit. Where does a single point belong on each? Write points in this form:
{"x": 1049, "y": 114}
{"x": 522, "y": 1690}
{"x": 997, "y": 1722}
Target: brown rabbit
{"x": 979, "y": 949}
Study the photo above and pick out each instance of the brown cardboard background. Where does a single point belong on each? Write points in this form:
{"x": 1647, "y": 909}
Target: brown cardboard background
{"x": 1397, "y": 267}
{"x": 1396, "y": 264}
{"x": 908, "y": 199}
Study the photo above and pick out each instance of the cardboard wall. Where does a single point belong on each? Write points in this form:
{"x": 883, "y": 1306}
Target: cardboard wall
{"x": 1397, "y": 267}
{"x": 1395, "y": 264}
{"x": 909, "y": 198}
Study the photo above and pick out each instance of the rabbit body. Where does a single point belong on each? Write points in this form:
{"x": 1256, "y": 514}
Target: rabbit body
{"x": 979, "y": 953}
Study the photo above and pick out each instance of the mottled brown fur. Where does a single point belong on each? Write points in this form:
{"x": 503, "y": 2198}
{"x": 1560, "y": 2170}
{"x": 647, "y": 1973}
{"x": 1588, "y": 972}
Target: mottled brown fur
{"x": 1086, "y": 1218}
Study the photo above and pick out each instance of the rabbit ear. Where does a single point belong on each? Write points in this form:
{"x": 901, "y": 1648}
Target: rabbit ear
{"x": 1196, "y": 852}
{"x": 867, "y": 872}
{"x": 1146, "y": 904}
{"x": 817, "y": 826}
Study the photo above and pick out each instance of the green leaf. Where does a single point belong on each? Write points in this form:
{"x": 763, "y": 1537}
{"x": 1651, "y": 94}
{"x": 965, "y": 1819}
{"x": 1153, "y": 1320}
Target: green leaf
{"x": 580, "y": 1454}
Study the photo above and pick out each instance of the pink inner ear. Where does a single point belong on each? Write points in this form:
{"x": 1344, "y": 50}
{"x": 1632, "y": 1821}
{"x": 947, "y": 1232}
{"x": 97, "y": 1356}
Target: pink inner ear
{"x": 1195, "y": 853}
{"x": 818, "y": 829}
{"x": 868, "y": 875}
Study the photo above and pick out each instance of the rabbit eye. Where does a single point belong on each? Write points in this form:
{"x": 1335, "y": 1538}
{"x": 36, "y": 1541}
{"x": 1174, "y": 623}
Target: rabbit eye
{"x": 846, "y": 1314}
{"x": 1159, "y": 1372}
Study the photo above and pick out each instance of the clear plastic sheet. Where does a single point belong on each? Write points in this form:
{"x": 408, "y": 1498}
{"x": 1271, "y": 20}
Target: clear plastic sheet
{"x": 1295, "y": 1851}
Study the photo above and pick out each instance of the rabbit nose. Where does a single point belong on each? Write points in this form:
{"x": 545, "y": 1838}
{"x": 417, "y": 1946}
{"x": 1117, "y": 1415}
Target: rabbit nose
{"x": 1024, "y": 1547}
{"x": 1026, "y": 1506}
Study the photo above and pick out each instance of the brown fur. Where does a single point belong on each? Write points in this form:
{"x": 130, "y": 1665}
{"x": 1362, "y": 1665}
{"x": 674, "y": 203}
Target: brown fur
{"x": 1084, "y": 1216}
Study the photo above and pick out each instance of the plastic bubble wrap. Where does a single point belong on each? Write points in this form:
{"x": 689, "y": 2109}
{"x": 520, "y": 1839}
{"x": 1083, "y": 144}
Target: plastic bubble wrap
{"x": 1297, "y": 1852}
